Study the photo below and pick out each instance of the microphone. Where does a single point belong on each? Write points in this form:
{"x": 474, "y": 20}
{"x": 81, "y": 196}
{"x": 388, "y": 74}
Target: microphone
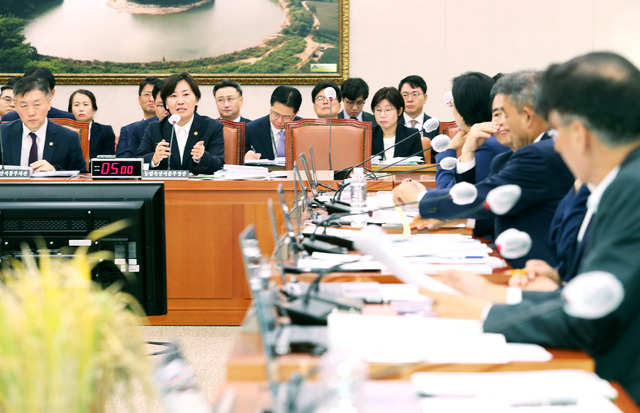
{"x": 332, "y": 207}
{"x": 448, "y": 163}
{"x": 590, "y": 295}
{"x": 314, "y": 306}
{"x": 462, "y": 193}
{"x": 438, "y": 144}
{"x": 512, "y": 243}
{"x": 173, "y": 119}
{"x": 348, "y": 170}
{"x": 448, "y": 98}
{"x": 499, "y": 200}
{"x": 330, "y": 93}
{"x": 430, "y": 125}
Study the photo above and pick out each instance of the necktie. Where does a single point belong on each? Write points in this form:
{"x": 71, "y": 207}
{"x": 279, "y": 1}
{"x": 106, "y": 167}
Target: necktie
{"x": 413, "y": 123}
{"x": 280, "y": 143}
{"x": 33, "y": 153}
{"x": 353, "y": 117}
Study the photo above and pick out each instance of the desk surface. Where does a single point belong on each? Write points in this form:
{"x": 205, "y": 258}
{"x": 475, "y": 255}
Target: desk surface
{"x": 252, "y": 397}
{"x": 247, "y": 360}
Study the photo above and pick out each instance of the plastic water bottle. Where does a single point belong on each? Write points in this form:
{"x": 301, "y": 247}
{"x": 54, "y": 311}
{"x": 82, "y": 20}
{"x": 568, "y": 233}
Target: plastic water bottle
{"x": 358, "y": 198}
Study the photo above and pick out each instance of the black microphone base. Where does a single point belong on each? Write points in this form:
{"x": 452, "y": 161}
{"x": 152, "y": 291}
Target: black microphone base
{"x": 337, "y": 208}
{"x": 332, "y": 239}
{"x": 320, "y": 246}
{"x": 316, "y": 309}
{"x": 341, "y": 175}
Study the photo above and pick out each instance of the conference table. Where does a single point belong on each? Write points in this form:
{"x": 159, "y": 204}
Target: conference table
{"x": 206, "y": 284}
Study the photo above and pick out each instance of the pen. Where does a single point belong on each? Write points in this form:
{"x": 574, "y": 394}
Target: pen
{"x": 253, "y": 149}
{"x": 548, "y": 402}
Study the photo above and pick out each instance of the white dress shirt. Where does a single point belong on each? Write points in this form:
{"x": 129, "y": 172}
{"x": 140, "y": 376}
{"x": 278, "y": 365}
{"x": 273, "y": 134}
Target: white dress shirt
{"x": 27, "y": 142}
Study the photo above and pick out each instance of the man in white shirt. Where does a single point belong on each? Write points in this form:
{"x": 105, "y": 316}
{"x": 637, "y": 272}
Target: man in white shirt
{"x": 229, "y": 100}
{"x": 413, "y": 89}
{"x": 265, "y": 135}
{"x": 591, "y": 100}
{"x": 34, "y": 140}
{"x": 355, "y": 92}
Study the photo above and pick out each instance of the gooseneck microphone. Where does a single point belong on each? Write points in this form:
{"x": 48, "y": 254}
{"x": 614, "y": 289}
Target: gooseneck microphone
{"x": 438, "y": 144}
{"x": 330, "y": 93}
{"x": 349, "y": 169}
{"x": 173, "y": 119}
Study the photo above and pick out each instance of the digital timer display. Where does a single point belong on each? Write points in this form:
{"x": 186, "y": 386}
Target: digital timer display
{"x": 116, "y": 168}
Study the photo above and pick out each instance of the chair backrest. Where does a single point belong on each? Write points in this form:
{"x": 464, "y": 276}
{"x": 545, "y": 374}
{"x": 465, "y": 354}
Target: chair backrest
{"x": 426, "y": 143}
{"x": 350, "y": 142}
{"x": 449, "y": 128}
{"x": 82, "y": 129}
{"x": 233, "y": 141}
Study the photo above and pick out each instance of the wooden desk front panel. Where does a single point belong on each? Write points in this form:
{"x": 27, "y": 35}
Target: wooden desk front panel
{"x": 205, "y": 275}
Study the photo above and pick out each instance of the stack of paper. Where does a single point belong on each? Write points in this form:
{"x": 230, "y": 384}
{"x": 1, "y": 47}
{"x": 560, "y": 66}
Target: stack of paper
{"x": 551, "y": 390}
{"x": 242, "y": 172}
{"x": 411, "y": 339}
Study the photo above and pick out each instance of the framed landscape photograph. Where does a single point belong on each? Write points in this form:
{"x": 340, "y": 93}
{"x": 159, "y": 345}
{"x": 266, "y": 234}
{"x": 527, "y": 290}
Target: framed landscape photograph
{"x": 123, "y": 41}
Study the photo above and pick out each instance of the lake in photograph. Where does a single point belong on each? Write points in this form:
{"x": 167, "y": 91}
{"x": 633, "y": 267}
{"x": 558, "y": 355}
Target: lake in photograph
{"x": 91, "y": 30}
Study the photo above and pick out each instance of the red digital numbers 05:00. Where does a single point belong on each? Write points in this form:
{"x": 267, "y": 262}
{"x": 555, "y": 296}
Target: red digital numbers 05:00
{"x": 114, "y": 169}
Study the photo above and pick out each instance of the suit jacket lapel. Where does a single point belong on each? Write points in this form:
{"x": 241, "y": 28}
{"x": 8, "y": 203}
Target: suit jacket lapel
{"x": 50, "y": 142}
{"x": 12, "y": 156}
{"x": 195, "y": 133}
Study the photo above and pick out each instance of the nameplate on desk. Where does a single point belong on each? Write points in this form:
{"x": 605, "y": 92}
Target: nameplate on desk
{"x": 15, "y": 172}
{"x": 165, "y": 174}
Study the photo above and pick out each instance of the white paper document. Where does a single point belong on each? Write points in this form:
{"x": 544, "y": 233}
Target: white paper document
{"x": 538, "y": 385}
{"x": 412, "y": 339}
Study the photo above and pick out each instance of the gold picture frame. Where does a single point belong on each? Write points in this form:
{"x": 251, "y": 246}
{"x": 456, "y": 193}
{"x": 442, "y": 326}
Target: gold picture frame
{"x": 316, "y": 71}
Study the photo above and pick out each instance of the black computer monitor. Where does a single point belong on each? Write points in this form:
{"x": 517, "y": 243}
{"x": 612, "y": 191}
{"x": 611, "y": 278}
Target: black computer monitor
{"x": 63, "y": 214}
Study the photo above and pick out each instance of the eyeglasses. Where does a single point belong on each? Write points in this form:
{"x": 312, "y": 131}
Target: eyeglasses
{"x": 276, "y": 115}
{"x": 348, "y": 102}
{"x": 415, "y": 95}
{"x": 230, "y": 99}
{"x": 384, "y": 111}
{"x": 320, "y": 98}
{"x": 146, "y": 94}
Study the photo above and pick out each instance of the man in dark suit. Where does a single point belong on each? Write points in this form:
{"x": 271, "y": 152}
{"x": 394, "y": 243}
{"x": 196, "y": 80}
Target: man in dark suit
{"x": 414, "y": 92}
{"x": 34, "y": 140}
{"x": 229, "y": 100}
{"x": 265, "y": 135}
{"x": 324, "y": 107}
{"x": 7, "y": 102}
{"x": 146, "y": 100}
{"x": 138, "y": 128}
{"x": 45, "y": 74}
{"x": 355, "y": 92}
{"x": 591, "y": 100}
{"x": 533, "y": 165}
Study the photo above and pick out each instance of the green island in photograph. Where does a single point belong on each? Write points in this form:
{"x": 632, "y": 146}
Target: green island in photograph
{"x": 307, "y": 41}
